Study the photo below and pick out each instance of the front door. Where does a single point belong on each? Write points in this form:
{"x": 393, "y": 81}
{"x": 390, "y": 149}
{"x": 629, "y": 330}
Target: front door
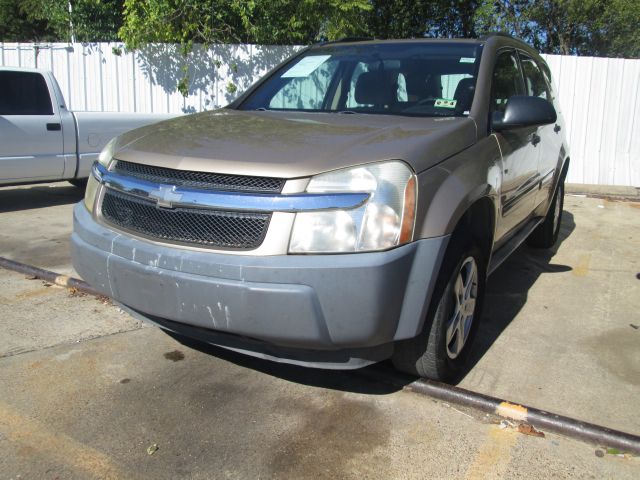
{"x": 31, "y": 145}
{"x": 519, "y": 156}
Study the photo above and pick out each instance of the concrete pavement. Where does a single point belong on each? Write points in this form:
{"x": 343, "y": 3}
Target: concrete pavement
{"x": 86, "y": 390}
{"x": 137, "y": 404}
{"x": 35, "y": 224}
{"x": 560, "y": 328}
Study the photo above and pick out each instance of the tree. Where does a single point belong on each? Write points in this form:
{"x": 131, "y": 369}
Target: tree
{"x": 568, "y": 27}
{"x": 305, "y": 21}
{"x": 187, "y": 22}
{"x": 88, "y": 20}
{"x": 399, "y": 18}
{"x": 584, "y": 27}
{"x": 618, "y": 29}
{"x": 257, "y": 21}
{"x": 17, "y": 26}
{"x": 178, "y": 21}
{"x": 51, "y": 20}
{"x": 420, "y": 18}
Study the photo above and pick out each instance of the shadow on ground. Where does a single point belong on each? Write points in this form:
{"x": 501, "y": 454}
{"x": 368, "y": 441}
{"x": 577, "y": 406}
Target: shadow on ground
{"x": 29, "y": 197}
{"x": 508, "y": 288}
{"x": 507, "y": 291}
{"x": 378, "y": 379}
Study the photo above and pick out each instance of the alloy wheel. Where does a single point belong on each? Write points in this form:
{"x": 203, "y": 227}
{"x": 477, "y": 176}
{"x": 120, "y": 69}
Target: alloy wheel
{"x": 465, "y": 292}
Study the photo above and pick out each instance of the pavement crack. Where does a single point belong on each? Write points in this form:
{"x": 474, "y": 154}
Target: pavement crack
{"x": 73, "y": 342}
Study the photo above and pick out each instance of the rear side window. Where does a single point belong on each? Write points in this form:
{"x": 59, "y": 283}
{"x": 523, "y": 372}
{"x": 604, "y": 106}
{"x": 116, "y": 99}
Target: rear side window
{"x": 534, "y": 81}
{"x": 24, "y": 93}
{"x": 507, "y": 81}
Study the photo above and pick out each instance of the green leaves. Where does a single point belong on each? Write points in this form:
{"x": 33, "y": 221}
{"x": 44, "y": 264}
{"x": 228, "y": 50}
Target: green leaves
{"x": 235, "y": 21}
{"x": 569, "y": 27}
{"x": 585, "y": 27}
{"x": 87, "y": 21}
{"x": 17, "y": 26}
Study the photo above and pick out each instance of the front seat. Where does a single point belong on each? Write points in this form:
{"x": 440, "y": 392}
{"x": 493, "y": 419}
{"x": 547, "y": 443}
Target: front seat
{"x": 378, "y": 88}
{"x": 464, "y": 94}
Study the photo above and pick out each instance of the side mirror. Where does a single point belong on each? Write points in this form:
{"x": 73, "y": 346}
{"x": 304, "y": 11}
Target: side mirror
{"x": 524, "y": 111}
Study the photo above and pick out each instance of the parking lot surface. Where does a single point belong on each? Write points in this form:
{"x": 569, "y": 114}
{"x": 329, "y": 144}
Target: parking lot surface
{"x": 88, "y": 392}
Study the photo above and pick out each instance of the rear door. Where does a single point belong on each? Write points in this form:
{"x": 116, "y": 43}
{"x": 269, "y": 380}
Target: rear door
{"x": 31, "y": 143}
{"x": 519, "y": 156}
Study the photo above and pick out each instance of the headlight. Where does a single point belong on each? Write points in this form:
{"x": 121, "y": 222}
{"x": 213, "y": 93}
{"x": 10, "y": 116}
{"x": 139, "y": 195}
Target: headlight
{"x": 104, "y": 159}
{"x": 106, "y": 155}
{"x": 90, "y": 192}
{"x": 384, "y": 221}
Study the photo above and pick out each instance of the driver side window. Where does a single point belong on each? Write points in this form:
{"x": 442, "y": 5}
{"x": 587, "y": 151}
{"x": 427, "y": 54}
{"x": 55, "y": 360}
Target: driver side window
{"x": 507, "y": 81}
{"x": 535, "y": 82}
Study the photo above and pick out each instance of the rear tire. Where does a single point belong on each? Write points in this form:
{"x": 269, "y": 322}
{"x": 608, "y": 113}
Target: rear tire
{"x": 441, "y": 350}
{"x": 546, "y": 234}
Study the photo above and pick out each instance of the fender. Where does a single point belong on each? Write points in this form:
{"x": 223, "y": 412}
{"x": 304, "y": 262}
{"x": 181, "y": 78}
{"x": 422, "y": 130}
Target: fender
{"x": 452, "y": 187}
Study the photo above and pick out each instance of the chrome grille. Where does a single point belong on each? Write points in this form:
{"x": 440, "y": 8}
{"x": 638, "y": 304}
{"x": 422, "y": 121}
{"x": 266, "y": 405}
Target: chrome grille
{"x": 199, "y": 227}
{"x": 204, "y": 180}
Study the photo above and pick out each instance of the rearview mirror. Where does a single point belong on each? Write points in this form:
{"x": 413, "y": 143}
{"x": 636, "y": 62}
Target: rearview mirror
{"x": 524, "y": 111}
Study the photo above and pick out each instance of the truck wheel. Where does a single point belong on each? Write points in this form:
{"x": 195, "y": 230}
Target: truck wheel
{"x": 79, "y": 182}
{"x": 546, "y": 234}
{"x": 441, "y": 350}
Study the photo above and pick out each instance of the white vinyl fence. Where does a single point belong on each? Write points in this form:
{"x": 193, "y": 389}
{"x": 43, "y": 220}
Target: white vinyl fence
{"x": 600, "y": 100}
{"x": 599, "y": 96}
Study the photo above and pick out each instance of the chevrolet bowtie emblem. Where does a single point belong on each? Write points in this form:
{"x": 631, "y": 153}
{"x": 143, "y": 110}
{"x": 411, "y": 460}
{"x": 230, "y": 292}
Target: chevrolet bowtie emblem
{"x": 165, "y": 195}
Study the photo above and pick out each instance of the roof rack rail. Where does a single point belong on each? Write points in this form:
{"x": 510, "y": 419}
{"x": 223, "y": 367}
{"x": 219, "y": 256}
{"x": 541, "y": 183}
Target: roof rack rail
{"x": 489, "y": 35}
{"x": 346, "y": 39}
{"x": 496, "y": 34}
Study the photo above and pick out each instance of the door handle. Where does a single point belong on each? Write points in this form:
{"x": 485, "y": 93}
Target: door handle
{"x": 557, "y": 128}
{"x": 534, "y": 139}
{"x": 54, "y": 127}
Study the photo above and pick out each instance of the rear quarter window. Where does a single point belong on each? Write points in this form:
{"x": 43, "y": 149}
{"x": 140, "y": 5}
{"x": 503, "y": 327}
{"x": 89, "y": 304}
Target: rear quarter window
{"x": 24, "y": 93}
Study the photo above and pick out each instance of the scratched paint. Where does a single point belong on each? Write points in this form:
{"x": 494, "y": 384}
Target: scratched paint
{"x": 213, "y": 318}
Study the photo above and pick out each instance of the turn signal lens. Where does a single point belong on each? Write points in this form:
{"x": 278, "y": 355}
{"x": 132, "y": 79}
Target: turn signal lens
{"x": 91, "y": 192}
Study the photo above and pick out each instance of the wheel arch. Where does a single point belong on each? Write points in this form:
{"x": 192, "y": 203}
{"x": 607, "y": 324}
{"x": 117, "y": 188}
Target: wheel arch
{"x": 452, "y": 212}
{"x": 565, "y": 168}
{"x": 479, "y": 221}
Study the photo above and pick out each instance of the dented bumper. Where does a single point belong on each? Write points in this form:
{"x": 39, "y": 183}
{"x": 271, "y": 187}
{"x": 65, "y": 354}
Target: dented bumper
{"x": 308, "y": 302}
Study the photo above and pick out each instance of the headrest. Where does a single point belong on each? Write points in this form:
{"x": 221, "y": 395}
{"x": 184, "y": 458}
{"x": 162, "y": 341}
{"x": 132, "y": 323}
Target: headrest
{"x": 375, "y": 88}
{"x": 464, "y": 93}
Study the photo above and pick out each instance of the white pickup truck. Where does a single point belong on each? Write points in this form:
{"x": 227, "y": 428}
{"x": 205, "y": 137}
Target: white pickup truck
{"x": 41, "y": 140}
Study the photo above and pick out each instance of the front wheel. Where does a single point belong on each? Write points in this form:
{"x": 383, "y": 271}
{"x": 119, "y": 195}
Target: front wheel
{"x": 440, "y": 352}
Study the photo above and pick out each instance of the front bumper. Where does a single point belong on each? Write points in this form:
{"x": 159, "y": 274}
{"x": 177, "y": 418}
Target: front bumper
{"x": 330, "y": 303}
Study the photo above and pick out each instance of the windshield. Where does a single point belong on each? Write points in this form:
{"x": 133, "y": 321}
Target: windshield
{"x": 416, "y": 79}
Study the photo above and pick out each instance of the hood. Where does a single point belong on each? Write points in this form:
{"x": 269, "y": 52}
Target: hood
{"x": 293, "y": 144}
